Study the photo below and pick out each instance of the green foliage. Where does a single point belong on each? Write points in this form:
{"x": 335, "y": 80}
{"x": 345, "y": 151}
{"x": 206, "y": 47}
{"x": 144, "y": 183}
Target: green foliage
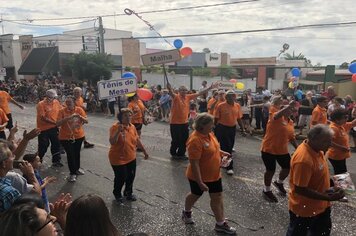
{"x": 91, "y": 67}
{"x": 152, "y": 69}
{"x": 227, "y": 71}
{"x": 344, "y": 65}
{"x": 201, "y": 72}
{"x": 300, "y": 56}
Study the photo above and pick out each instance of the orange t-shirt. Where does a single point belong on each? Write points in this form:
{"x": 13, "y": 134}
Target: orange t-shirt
{"x": 180, "y": 108}
{"x": 72, "y": 129}
{"x": 278, "y": 134}
{"x": 138, "y": 109}
{"x": 5, "y": 98}
{"x": 206, "y": 149}
{"x": 49, "y": 110}
{"x": 319, "y": 116}
{"x": 308, "y": 169}
{"x": 124, "y": 150}
{"x": 228, "y": 114}
{"x": 210, "y": 103}
{"x": 341, "y": 137}
{"x": 79, "y": 102}
{"x": 3, "y": 118}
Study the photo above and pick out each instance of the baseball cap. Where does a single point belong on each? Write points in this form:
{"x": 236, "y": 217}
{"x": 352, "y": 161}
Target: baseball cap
{"x": 231, "y": 92}
{"x": 51, "y": 93}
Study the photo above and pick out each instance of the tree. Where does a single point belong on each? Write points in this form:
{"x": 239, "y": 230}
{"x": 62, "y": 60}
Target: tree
{"x": 201, "y": 72}
{"x": 300, "y": 56}
{"x": 91, "y": 67}
{"x": 227, "y": 71}
{"x": 344, "y": 65}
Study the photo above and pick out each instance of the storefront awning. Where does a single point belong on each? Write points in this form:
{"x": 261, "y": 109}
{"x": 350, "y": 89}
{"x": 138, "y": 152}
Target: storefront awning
{"x": 40, "y": 60}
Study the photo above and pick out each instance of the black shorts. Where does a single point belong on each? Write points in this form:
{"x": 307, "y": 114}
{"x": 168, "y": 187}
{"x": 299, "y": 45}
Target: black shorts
{"x": 214, "y": 187}
{"x": 270, "y": 161}
{"x": 138, "y": 126}
{"x": 9, "y": 123}
{"x": 245, "y": 116}
{"x": 353, "y": 133}
{"x": 339, "y": 166}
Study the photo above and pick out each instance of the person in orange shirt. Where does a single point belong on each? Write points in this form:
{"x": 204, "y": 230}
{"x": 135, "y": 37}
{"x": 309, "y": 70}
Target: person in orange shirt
{"x": 47, "y": 114}
{"x": 279, "y": 132}
{"x": 339, "y": 150}
{"x": 203, "y": 172}
{"x": 215, "y": 101}
{"x": 179, "y": 119}
{"x": 79, "y": 102}
{"x": 122, "y": 154}
{"x": 5, "y": 98}
{"x": 138, "y": 109}
{"x": 71, "y": 135}
{"x": 319, "y": 114}
{"x": 226, "y": 115}
{"x": 3, "y": 124}
{"x": 310, "y": 193}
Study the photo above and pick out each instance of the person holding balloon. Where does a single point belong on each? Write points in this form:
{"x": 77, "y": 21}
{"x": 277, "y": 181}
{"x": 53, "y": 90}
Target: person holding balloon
{"x": 179, "y": 119}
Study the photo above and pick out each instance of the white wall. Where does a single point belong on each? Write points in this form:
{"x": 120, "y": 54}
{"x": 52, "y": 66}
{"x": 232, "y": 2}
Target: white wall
{"x": 17, "y": 58}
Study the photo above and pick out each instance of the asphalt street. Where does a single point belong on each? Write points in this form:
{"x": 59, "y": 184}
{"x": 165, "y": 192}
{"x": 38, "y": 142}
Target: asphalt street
{"x": 161, "y": 186}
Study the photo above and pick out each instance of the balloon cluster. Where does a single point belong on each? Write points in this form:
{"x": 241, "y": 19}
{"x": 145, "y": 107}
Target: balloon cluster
{"x": 352, "y": 69}
{"x": 294, "y": 80}
{"x": 238, "y": 85}
{"x": 184, "y": 52}
{"x": 143, "y": 93}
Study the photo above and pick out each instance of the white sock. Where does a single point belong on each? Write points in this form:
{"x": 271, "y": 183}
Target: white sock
{"x": 267, "y": 188}
{"x": 220, "y": 223}
{"x": 280, "y": 181}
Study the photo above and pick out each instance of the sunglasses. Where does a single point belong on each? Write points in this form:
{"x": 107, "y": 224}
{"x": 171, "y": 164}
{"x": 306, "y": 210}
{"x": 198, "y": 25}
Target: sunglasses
{"x": 49, "y": 220}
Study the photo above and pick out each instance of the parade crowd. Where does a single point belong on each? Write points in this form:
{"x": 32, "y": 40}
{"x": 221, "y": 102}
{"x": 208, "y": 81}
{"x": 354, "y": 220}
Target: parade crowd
{"x": 203, "y": 126}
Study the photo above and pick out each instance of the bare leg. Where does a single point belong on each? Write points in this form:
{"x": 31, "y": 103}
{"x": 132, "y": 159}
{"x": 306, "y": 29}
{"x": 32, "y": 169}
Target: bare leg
{"x": 190, "y": 200}
{"x": 217, "y": 206}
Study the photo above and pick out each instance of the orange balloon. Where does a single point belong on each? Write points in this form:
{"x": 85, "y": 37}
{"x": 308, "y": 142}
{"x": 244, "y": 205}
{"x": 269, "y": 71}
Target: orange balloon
{"x": 187, "y": 51}
{"x": 354, "y": 78}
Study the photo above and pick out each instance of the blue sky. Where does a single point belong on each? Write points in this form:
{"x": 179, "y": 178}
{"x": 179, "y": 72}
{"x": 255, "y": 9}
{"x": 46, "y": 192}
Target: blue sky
{"x": 327, "y": 46}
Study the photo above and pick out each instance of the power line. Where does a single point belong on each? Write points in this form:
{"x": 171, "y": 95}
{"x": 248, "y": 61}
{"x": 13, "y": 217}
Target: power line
{"x": 142, "y": 12}
{"x": 35, "y": 25}
{"x": 325, "y": 25}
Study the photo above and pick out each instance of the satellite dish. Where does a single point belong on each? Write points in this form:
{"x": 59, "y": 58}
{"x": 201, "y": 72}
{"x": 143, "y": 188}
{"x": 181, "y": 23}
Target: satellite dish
{"x": 286, "y": 46}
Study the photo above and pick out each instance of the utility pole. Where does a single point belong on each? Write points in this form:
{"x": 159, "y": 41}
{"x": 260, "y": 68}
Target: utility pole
{"x": 101, "y": 35}
{"x": 2, "y": 25}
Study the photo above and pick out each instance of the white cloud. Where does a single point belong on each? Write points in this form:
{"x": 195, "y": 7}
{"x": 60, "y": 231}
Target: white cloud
{"x": 328, "y": 46}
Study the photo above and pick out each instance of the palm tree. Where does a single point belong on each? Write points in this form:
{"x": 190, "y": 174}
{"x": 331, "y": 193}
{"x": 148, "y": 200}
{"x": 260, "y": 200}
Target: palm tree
{"x": 300, "y": 56}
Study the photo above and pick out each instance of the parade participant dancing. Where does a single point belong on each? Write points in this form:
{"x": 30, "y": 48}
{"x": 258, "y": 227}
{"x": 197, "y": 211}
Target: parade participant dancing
{"x": 319, "y": 114}
{"x": 179, "y": 119}
{"x": 5, "y": 98}
{"x": 310, "y": 195}
{"x": 138, "y": 112}
{"x": 71, "y": 120}
{"x": 339, "y": 150}
{"x": 122, "y": 155}
{"x": 79, "y": 102}
{"x": 203, "y": 172}
{"x": 226, "y": 115}
{"x": 47, "y": 114}
{"x": 279, "y": 132}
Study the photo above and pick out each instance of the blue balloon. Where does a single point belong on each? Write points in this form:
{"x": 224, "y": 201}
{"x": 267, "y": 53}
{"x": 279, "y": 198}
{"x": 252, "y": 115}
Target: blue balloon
{"x": 128, "y": 75}
{"x": 178, "y": 43}
{"x": 295, "y": 72}
{"x": 352, "y": 68}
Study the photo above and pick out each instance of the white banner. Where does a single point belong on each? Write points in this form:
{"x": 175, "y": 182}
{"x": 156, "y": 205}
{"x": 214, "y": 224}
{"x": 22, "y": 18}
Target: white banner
{"x": 116, "y": 87}
{"x": 226, "y": 85}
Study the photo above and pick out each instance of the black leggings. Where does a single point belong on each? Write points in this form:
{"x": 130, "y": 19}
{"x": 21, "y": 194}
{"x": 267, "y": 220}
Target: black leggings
{"x": 124, "y": 174}
{"x": 72, "y": 148}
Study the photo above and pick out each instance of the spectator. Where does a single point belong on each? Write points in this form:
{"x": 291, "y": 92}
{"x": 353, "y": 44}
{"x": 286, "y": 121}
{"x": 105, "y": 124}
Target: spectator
{"x": 305, "y": 111}
{"x": 27, "y": 220}
{"x": 165, "y": 105}
{"x": 35, "y": 162}
{"x": 89, "y": 216}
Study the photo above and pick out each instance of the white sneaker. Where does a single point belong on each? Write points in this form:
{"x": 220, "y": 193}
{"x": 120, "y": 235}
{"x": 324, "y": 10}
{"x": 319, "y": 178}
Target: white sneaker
{"x": 80, "y": 171}
{"x": 72, "y": 178}
{"x": 230, "y": 172}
